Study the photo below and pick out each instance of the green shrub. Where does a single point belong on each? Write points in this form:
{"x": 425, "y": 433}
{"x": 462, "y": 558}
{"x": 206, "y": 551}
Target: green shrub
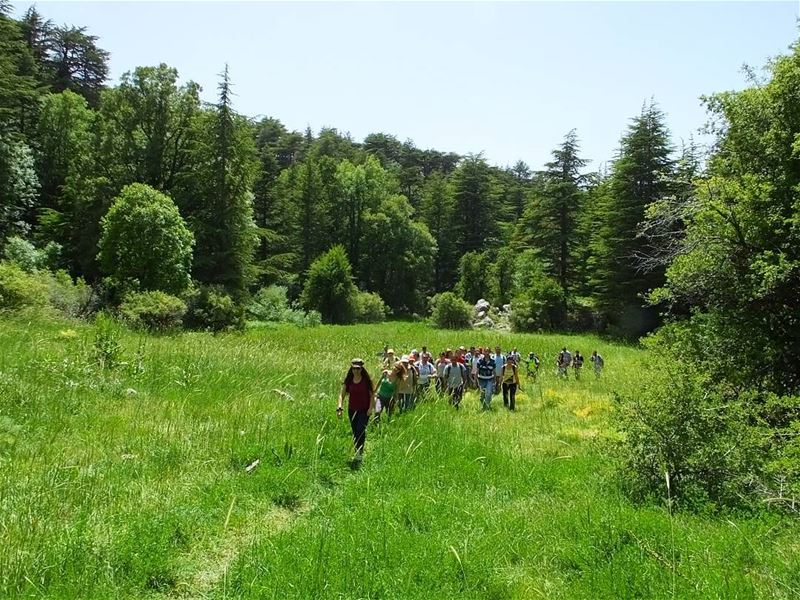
{"x": 145, "y": 241}
{"x": 539, "y": 301}
{"x": 681, "y": 428}
{"x": 269, "y": 304}
{"x": 329, "y": 288}
{"x": 71, "y": 298}
{"x": 19, "y": 289}
{"x": 310, "y": 318}
{"x": 23, "y": 254}
{"x": 539, "y": 309}
{"x": 213, "y": 309}
{"x": 369, "y": 308}
{"x": 156, "y": 311}
{"x": 448, "y": 311}
{"x": 106, "y": 346}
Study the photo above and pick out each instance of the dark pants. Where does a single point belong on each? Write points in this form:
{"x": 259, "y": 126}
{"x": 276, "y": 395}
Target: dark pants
{"x": 456, "y": 394}
{"x": 387, "y": 406}
{"x": 406, "y": 401}
{"x": 509, "y": 394}
{"x": 358, "y": 421}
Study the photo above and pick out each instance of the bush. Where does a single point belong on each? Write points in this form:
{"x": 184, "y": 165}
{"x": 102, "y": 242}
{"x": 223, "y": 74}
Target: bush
{"x": 269, "y": 304}
{"x": 721, "y": 436}
{"x": 329, "y": 288}
{"x": 213, "y": 309}
{"x": 681, "y": 428}
{"x": 107, "y": 349}
{"x": 369, "y": 308}
{"x": 145, "y": 242}
{"x": 541, "y": 308}
{"x": 155, "y": 311}
{"x": 23, "y": 254}
{"x": 19, "y": 289}
{"x": 448, "y": 311}
{"x": 71, "y": 298}
{"x": 311, "y": 318}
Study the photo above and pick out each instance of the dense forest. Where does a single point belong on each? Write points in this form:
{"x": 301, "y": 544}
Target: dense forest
{"x": 262, "y": 203}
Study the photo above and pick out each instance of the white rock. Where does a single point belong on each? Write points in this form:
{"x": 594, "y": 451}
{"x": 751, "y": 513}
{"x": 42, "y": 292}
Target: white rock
{"x": 482, "y": 305}
{"x": 484, "y": 323}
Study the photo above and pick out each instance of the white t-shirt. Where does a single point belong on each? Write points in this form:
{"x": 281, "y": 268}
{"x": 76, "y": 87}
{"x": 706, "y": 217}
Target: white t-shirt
{"x": 426, "y": 370}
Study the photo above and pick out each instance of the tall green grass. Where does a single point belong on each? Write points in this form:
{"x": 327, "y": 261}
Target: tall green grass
{"x": 132, "y": 480}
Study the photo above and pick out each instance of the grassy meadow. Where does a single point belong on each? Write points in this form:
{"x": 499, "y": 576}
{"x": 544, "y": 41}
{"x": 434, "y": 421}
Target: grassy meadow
{"x": 124, "y": 474}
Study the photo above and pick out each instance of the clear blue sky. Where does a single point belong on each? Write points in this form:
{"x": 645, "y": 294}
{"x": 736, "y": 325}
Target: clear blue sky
{"x": 508, "y": 79}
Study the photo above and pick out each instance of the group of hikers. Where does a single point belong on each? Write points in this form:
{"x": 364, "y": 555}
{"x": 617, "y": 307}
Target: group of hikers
{"x": 403, "y": 380}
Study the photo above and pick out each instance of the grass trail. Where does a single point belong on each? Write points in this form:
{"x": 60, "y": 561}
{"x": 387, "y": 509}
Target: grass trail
{"x": 133, "y": 482}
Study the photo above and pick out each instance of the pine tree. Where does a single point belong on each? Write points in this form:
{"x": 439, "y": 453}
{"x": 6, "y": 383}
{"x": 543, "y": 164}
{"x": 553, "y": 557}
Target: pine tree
{"x": 549, "y": 222}
{"x": 309, "y": 213}
{"x": 518, "y": 196}
{"x": 75, "y": 62}
{"x": 640, "y": 176}
{"x": 475, "y": 220}
{"x": 437, "y": 211}
{"x": 36, "y": 32}
{"x": 19, "y": 90}
{"x": 223, "y": 226}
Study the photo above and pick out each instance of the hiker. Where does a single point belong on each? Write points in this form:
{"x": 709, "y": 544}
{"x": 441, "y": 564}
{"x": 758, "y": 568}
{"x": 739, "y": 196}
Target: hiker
{"x": 563, "y": 362}
{"x": 389, "y": 361}
{"x": 441, "y": 364}
{"x": 469, "y": 359}
{"x": 426, "y": 372}
{"x": 510, "y": 383}
{"x": 598, "y": 363}
{"x": 484, "y": 369}
{"x": 361, "y": 402}
{"x": 577, "y": 364}
{"x": 515, "y": 355}
{"x": 532, "y": 371}
{"x": 499, "y": 363}
{"x": 455, "y": 377}
{"x": 460, "y": 355}
{"x": 406, "y": 385}
{"x": 474, "y": 370}
{"x": 386, "y": 391}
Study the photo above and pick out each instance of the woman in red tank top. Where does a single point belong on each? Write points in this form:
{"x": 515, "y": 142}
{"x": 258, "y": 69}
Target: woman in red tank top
{"x": 357, "y": 385}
